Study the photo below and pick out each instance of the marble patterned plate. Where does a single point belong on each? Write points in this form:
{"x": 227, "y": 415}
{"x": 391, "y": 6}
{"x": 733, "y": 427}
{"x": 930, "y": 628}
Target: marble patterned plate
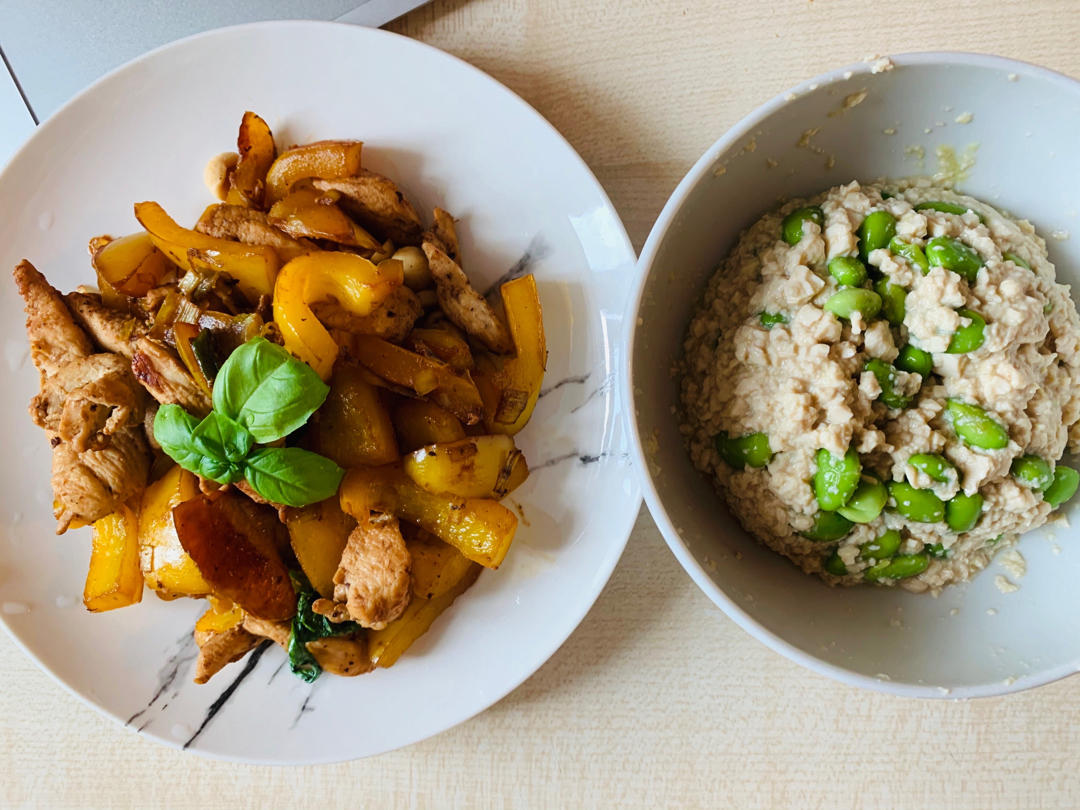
{"x": 451, "y": 136}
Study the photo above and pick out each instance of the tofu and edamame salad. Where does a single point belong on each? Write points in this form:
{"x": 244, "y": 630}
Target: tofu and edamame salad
{"x": 882, "y": 382}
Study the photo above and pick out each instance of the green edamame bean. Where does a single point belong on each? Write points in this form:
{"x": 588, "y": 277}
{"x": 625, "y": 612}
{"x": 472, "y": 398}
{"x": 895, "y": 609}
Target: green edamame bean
{"x": 912, "y": 254}
{"x": 902, "y": 567}
{"x": 915, "y": 361}
{"x": 886, "y": 377}
{"x": 836, "y": 478}
{"x": 847, "y": 270}
{"x": 962, "y": 511}
{"x": 882, "y": 547}
{"x": 920, "y": 505}
{"x": 975, "y": 426}
{"x": 828, "y": 526}
{"x": 1066, "y": 480}
{"x": 1033, "y": 471}
{"x": 752, "y": 449}
{"x": 952, "y": 254}
{"x": 771, "y": 319}
{"x": 792, "y": 226}
{"x": 866, "y": 502}
{"x": 846, "y": 302}
{"x": 968, "y": 338}
{"x": 937, "y": 467}
{"x": 876, "y": 231}
{"x": 936, "y": 550}
{"x": 835, "y": 566}
{"x": 947, "y": 208}
{"x": 1012, "y": 257}
{"x": 893, "y": 298}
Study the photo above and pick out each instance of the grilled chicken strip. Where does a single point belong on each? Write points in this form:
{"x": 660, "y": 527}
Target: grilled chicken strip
{"x": 338, "y": 655}
{"x": 446, "y": 234}
{"x": 463, "y": 305}
{"x": 251, "y": 227}
{"x": 113, "y": 331}
{"x": 392, "y": 318}
{"x": 378, "y": 204}
{"x": 165, "y": 377}
{"x": 90, "y": 407}
{"x": 218, "y": 649}
{"x": 373, "y": 578}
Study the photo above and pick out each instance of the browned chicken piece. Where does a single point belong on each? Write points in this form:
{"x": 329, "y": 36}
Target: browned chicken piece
{"x": 336, "y": 612}
{"x": 218, "y": 649}
{"x": 110, "y": 329}
{"x": 446, "y": 234}
{"x": 92, "y": 484}
{"x": 251, "y": 227}
{"x": 373, "y": 580}
{"x": 392, "y": 319}
{"x": 378, "y": 204}
{"x": 338, "y": 655}
{"x": 89, "y": 406}
{"x": 463, "y": 305}
{"x": 55, "y": 338}
{"x": 164, "y": 376}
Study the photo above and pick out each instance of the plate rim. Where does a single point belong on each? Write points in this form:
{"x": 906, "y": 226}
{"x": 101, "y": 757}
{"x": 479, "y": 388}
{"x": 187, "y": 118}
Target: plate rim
{"x": 619, "y": 405}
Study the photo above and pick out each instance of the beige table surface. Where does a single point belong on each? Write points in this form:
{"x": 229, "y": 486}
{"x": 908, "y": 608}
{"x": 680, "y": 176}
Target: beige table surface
{"x": 657, "y": 699}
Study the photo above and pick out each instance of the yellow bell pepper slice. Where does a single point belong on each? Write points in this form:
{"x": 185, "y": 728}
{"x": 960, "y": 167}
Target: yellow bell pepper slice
{"x": 324, "y": 159}
{"x": 253, "y": 266}
{"x": 114, "y": 578}
{"x": 255, "y": 143}
{"x": 352, "y": 281}
{"x": 476, "y": 467}
{"x": 479, "y": 528}
{"x": 130, "y": 264}
{"x": 166, "y": 567}
{"x": 386, "y": 646}
{"x": 510, "y": 386}
{"x": 221, "y": 616}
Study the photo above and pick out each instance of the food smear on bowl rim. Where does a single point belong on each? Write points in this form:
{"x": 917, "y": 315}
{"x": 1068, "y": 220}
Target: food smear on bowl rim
{"x": 882, "y": 381}
{"x": 300, "y": 409}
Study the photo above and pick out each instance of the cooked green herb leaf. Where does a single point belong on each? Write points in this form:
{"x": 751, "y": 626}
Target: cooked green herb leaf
{"x": 307, "y": 625}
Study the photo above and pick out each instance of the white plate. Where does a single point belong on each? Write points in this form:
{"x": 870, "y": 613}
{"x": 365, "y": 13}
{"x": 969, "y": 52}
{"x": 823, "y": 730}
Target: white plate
{"x": 451, "y": 136}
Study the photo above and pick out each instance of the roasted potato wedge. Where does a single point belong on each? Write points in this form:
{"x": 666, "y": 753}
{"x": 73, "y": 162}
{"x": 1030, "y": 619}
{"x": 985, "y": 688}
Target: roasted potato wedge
{"x": 419, "y": 423}
{"x": 166, "y": 567}
{"x": 232, "y": 540}
{"x": 426, "y": 376}
{"x": 114, "y": 578}
{"x": 386, "y": 646}
{"x": 253, "y": 266}
{"x": 353, "y": 426}
{"x": 322, "y": 159}
{"x": 443, "y": 345}
{"x": 318, "y": 534}
{"x": 480, "y": 529}
{"x": 476, "y": 467}
{"x": 510, "y": 386}
{"x": 255, "y": 144}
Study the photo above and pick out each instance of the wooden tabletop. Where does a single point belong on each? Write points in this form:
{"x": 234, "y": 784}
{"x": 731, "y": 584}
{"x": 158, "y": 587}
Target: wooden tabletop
{"x": 657, "y": 699}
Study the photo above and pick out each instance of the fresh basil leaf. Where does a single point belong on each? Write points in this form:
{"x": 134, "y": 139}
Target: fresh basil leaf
{"x": 221, "y": 437}
{"x": 292, "y": 476}
{"x": 173, "y": 427}
{"x": 267, "y": 390}
{"x": 307, "y": 625}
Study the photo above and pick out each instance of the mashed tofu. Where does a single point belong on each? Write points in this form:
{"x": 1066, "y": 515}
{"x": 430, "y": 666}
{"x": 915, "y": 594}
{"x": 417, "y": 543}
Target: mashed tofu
{"x": 765, "y": 355}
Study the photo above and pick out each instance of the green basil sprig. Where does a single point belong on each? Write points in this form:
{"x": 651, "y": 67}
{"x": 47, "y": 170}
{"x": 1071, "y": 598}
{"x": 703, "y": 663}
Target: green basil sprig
{"x": 261, "y": 394}
{"x": 307, "y": 625}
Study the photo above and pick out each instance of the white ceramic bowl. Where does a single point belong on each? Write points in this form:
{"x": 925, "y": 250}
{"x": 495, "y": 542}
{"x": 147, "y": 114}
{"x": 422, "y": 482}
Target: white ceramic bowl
{"x": 972, "y": 640}
{"x": 451, "y": 136}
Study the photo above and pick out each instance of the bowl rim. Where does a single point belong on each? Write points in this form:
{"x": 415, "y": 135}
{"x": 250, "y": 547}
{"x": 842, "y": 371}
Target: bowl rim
{"x": 700, "y": 170}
